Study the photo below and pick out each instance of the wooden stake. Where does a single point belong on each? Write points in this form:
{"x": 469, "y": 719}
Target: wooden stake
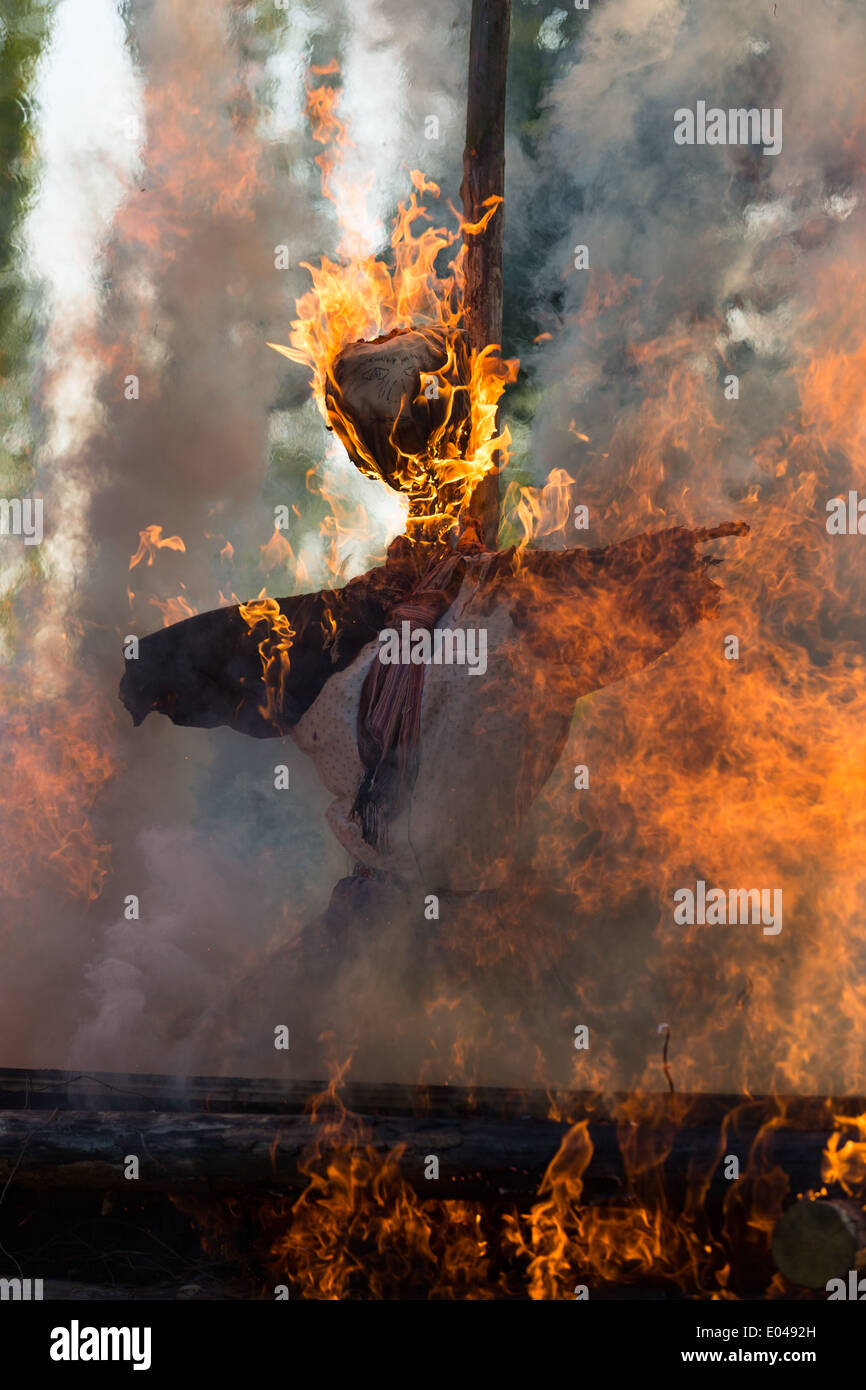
{"x": 483, "y": 178}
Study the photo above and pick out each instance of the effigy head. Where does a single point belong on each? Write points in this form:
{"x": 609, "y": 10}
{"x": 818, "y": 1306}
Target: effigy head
{"x": 400, "y": 405}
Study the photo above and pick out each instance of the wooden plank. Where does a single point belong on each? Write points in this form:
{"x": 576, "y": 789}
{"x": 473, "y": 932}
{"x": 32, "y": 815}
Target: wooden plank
{"x": 73, "y": 1291}
{"x": 478, "y": 1156}
{"x": 40, "y": 1089}
{"x": 47, "y": 1089}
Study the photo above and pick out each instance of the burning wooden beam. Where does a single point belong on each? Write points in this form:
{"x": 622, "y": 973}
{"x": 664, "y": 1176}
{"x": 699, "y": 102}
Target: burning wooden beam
{"x": 483, "y": 180}
{"x": 479, "y": 1158}
{"x": 42, "y": 1089}
{"x": 490, "y": 1143}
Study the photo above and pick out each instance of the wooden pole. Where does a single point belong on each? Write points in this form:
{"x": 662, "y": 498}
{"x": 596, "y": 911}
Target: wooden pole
{"x": 484, "y": 178}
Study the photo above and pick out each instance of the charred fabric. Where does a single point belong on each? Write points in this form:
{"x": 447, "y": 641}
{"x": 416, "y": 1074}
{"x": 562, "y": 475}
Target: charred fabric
{"x": 308, "y": 666}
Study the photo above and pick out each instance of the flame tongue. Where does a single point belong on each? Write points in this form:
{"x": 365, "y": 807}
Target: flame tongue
{"x": 391, "y": 371}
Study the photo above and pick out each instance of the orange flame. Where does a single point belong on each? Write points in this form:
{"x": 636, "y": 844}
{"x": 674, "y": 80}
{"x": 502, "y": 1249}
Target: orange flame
{"x": 174, "y": 610}
{"x": 150, "y": 540}
{"x": 360, "y": 298}
{"x": 55, "y": 771}
{"x": 844, "y": 1160}
{"x": 274, "y": 647}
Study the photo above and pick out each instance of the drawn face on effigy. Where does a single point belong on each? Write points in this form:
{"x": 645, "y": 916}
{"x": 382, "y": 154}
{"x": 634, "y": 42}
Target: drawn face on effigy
{"x": 400, "y": 404}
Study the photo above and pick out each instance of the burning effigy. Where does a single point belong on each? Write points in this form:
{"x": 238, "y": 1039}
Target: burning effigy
{"x": 516, "y": 948}
{"x": 409, "y": 745}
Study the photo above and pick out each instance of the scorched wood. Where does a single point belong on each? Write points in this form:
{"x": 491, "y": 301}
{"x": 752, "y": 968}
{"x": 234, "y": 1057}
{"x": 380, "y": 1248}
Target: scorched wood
{"x": 478, "y": 1157}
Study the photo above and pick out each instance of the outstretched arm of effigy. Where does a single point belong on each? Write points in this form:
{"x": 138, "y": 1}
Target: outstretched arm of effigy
{"x": 608, "y": 612}
{"x": 208, "y": 671}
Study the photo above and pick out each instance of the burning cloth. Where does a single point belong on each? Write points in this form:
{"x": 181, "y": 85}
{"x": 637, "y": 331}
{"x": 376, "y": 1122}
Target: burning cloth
{"x": 433, "y": 764}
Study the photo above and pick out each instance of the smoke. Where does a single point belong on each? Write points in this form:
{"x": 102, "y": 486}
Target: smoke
{"x": 148, "y": 872}
{"x": 719, "y": 249}
{"x": 702, "y": 368}
{"x": 704, "y": 261}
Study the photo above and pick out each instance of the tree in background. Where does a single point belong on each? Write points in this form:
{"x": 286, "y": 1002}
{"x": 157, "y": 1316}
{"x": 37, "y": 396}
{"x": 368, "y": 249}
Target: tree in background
{"x": 24, "y": 31}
